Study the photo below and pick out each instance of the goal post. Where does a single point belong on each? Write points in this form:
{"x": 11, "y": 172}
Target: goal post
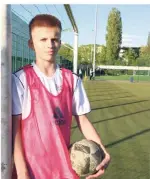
{"x": 6, "y": 112}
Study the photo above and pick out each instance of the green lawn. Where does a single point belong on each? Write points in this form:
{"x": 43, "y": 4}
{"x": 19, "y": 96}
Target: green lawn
{"x": 124, "y": 77}
{"x": 121, "y": 115}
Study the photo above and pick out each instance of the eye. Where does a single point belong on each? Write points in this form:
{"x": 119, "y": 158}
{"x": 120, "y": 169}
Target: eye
{"x": 43, "y": 40}
{"x": 55, "y": 40}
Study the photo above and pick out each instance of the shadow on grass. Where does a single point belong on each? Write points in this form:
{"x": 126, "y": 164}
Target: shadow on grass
{"x": 99, "y": 89}
{"x": 127, "y": 138}
{"x": 108, "y": 92}
{"x": 104, "y": 88}
{"x": 117, "y": 117}
{"x": 112, "y": 98}
{"x": 120, "y": 104}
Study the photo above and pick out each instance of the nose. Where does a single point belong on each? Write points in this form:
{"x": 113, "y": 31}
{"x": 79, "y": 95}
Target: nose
{"x": 50, "y": 44}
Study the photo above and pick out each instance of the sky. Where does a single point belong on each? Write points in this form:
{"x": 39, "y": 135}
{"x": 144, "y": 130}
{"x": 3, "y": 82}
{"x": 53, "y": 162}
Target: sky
{"x": 135, "y": 21}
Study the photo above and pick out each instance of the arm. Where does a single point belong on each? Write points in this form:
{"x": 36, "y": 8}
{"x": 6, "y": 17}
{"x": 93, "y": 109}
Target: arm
{"x": 19, "y": 158}
{"x": 88, "y": 130}
{"x": 81, "y": 107}
{"x": 90, "y": 133}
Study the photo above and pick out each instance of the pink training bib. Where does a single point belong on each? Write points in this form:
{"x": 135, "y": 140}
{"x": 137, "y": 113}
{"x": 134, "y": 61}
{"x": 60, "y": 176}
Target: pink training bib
{"x": 46, "y": 131}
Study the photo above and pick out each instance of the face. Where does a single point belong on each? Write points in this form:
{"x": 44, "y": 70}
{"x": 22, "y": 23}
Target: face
{"x": 45, "y": 42}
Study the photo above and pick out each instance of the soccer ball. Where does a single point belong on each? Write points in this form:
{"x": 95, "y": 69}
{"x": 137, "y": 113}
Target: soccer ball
{"x": 85, "y": 156}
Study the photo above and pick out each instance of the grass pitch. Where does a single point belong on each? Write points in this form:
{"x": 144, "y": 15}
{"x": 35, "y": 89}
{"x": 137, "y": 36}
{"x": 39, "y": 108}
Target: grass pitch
{"x": 121, "y": 115}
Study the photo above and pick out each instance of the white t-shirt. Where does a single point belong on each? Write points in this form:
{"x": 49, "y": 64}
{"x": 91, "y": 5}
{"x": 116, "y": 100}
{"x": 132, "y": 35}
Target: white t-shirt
{"x": 80, "y": 71}
{"x": 21, "y": 99}
{"x": 91, "y": 71}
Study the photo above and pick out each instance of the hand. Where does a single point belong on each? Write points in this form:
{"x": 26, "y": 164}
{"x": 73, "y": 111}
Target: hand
{"x": 101, "y": 167}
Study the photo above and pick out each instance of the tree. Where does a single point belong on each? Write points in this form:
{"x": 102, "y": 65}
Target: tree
{"x": 101, "y": 56}
{"x": 85, "y": 54}
{"x": 144, "y": 58}
{"x": 145, "y": 51}
{"x": 113, "y": 36}
{"x": 130, "y": 56}
{"x": 66, "y": 52}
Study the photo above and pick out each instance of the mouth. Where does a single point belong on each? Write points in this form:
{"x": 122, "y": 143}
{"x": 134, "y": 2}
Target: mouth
{"x": 50, "y": 52}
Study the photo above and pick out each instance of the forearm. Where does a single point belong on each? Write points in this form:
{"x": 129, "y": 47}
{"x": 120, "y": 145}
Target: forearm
{"x": 88, "y": 130}
{"x": 19, "y": 158}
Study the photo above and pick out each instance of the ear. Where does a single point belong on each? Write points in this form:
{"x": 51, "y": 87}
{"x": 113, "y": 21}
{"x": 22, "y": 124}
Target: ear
{"x": 30, "y": 44}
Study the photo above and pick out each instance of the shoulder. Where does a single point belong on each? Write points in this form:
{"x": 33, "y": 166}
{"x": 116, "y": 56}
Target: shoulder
{"x": 76, "y": 78}
{"x": 19, "y": 77}
{"x": 20, "y": 72}
{"x": 77, "y": 81}
{"x": 75, "y": 75}
{"x": 67, "y": 71}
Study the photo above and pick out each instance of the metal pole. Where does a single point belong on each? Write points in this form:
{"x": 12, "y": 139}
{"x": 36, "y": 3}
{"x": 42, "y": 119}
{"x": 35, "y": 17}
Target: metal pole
{"x": 91, "y": 54}
{"x": 15, "y": 52}
{"x": 22, "y": 60}
{"x": 138, "y": 72}
{"x": 149, "y": 70}
{"x": 75, "y": 28}
{"x": 95, "y": 41}
{"x": 6, "y": 112}
{"x": 75, "y": 60}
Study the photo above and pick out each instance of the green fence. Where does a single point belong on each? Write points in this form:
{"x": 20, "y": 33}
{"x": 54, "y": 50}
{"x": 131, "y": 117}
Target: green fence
{"x": 123, "y": 75}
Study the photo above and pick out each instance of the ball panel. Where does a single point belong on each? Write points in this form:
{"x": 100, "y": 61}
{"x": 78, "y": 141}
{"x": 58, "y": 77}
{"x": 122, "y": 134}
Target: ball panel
{"x": 85, "y": 156}
{"x": 82, "y": 148}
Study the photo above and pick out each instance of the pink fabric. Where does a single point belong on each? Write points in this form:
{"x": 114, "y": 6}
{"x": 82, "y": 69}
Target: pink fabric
{"x": 46, "y": 131}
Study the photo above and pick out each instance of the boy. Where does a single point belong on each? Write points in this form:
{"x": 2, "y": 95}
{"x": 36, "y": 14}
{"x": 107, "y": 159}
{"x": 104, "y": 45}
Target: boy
{"x": 44, "y": 99}
{"x": 91, "y": 73}
{"x": 80, "y": 73}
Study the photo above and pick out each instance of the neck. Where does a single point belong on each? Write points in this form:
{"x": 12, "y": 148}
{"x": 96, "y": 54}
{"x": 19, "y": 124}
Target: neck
{"x": 48, "y": 68}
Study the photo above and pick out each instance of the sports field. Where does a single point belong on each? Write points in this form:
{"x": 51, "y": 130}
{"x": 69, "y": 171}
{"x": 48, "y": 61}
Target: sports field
{"x": 125, "y": 77}
{"x": 121, "y": 115}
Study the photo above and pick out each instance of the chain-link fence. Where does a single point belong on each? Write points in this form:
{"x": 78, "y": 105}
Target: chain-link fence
{"x": 21, "y": 53}
{"x": 123, "y": 75}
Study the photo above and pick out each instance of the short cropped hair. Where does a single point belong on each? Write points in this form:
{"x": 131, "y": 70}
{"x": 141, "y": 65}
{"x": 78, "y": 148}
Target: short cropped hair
{"x": 44, "y": 20}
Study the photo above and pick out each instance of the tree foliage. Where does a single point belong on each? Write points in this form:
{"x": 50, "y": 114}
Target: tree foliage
{"x": 85, "y": 54}
{"x": 144, "y": 58}
{"x": 66, "y": 52}
{"x": 101, "y": 56}
{"x": 130, "y": 56}
{"x": 113, "y": 36}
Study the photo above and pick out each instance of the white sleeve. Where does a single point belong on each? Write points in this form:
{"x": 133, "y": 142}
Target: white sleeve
{"x": 17, "y": 95}
{"x": 80, "y": 103}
